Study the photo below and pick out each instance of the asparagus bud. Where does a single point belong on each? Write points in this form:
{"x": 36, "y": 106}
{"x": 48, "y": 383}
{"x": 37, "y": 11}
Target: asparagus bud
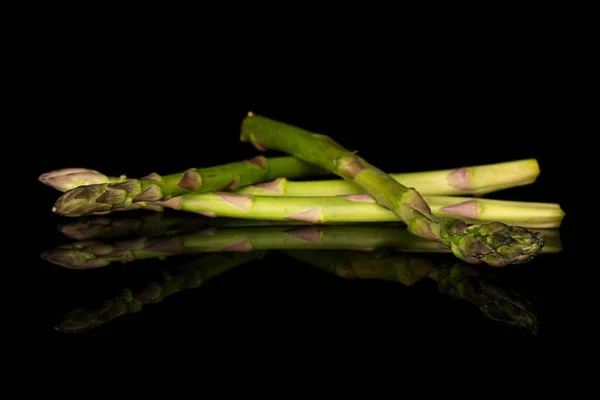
{"x": 69, "y": 178}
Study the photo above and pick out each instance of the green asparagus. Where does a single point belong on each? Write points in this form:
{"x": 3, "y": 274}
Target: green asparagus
{"x": 362, "y": 208}
{"x": 128, "y": 193}
{"x": 496, "y": 244}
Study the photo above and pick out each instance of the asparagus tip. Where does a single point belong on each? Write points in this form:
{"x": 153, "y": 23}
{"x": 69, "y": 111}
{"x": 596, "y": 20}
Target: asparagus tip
{"x": 89, "y": 199}
{"x": 69, "y": 178}
{"x": 497, "y": 244}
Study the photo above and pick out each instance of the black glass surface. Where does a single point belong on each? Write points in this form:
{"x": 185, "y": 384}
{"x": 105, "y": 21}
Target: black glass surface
{"x": 134, "y": 128}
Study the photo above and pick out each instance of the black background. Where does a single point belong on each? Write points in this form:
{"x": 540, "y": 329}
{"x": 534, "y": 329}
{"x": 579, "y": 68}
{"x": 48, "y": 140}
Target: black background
{"x": 133, "y": 107}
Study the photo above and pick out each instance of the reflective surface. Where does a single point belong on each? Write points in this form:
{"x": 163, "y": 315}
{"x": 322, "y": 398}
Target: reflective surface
{"x": 141, "y": 272}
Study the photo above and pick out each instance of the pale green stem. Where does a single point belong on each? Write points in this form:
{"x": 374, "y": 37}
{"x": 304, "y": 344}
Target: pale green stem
{"x": 361, "y": 208}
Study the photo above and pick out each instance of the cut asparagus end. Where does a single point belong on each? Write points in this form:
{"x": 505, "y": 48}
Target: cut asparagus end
{"x": 473, "y": 180}
{"x": 473, "y": 211}
{"x": 69, "y": 178}
{"x": 90, "y": 199}
{"x": 496, "y": 244}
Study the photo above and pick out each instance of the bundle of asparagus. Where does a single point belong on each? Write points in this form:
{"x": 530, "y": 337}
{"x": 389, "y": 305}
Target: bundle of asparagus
{"x": 441, "y": 206}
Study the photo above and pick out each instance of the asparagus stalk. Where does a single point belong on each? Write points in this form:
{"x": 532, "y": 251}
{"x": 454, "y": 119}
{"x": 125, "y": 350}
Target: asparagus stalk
{"x": 473, "y": 180}
{"x": 461, "y": 281}
{"x": 188, "y": 276}
{"x": 496, "y": 244}
{"x": 128, "y": 193}
{"x": 83, "y": 255}
{"x": 362, "y": 208}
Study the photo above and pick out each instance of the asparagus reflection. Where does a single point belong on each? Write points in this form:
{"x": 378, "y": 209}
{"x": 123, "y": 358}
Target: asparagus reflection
{"x": 100, "y": 253}
{"x": 381, "y": 252}
{"x": 188, "y": 276}
{"x": 153, "y": 224}
{"x": 458, "y": 280}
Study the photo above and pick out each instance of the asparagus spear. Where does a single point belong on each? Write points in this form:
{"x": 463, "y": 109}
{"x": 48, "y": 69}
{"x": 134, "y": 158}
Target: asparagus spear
{"x": 188, "y": 276}
{"x": 103, "y": 197}
{"x": 473, "y": 180}
{"x": 363, "y": 208}
{"x": 96, "y": 254}
{"x": 460, "y": 280}
{"x": 496, "y": 244}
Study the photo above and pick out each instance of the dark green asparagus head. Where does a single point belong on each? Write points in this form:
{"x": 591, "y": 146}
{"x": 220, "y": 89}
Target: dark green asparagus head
{"x": 496, "y": 244}
{"x": 70, "y": 178}
{"x": 85, "y": 200}
{"x": 83, "y": 320}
